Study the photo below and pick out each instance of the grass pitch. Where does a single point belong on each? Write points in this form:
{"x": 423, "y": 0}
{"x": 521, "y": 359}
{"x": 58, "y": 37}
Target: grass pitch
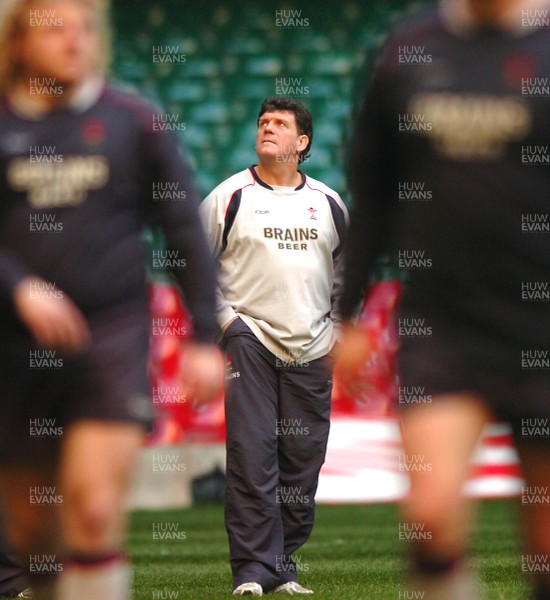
{"x": 353, "y": 554}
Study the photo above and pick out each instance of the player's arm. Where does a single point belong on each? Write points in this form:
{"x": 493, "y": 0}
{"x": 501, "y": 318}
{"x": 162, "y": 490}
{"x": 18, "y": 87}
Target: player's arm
{"x": 371, "y": 210}
{"x": 53, "y": 322}
{"x": 190, "y": 258}
{"x": 192, "y": 265}
{"x": 370, "y": 177}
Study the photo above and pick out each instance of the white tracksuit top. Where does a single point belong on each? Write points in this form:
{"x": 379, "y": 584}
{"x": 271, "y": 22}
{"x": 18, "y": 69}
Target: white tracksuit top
{"x": 280, "y": 254}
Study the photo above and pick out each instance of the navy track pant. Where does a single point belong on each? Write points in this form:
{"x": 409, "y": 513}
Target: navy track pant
{"x": 277, "y": 420}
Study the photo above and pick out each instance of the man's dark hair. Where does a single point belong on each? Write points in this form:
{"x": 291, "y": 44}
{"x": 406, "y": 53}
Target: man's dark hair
{"x": 304, "y": 122}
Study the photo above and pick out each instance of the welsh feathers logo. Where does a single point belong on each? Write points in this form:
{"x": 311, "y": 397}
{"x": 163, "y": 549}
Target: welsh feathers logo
{"x": 312, "y": 212}
{"x": 93, "y": 133}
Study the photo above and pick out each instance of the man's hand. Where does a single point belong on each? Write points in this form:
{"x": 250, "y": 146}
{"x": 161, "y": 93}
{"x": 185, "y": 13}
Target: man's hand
{"x": 352, "y": 354}
{"x": 202, "y": 372}
{"x": 53, "y": 322}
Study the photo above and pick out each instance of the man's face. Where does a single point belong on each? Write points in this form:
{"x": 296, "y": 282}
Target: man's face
{"x": 278, "y": 138}
{"x": 60, "y": 41}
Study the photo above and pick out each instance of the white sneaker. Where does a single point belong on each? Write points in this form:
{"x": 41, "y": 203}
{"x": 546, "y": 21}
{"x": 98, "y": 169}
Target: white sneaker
{"x": 248, "y": 589}
{"x": 292, "y": 587}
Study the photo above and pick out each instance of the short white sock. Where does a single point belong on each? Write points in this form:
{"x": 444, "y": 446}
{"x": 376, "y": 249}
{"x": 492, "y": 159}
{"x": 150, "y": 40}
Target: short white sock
{"x": 457, "y": 584}
{"x": 105, "y": 579}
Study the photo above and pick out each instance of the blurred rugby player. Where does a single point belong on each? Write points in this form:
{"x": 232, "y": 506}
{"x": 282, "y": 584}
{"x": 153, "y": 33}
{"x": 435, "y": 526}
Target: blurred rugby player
{"x": 78, "y": 161}
{"x": 450, "y": 174}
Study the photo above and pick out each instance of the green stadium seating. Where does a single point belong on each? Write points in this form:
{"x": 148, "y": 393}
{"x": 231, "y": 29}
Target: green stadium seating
{"x": 235, "y": 51}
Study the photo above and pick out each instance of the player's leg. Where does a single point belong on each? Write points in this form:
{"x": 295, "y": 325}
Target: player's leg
{"x": 106, "y": 408}
{"x": 535, "y": 512}
{"x": 97, "y": 461}
{"x": 304, "y": 421}
{"x": 439, "y": 439}
{"x": 251, "y": 514}
{"x": 32, "y": 523}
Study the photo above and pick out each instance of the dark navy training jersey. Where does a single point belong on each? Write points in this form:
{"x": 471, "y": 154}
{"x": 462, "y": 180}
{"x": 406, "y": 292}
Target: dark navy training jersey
{"x": 77, "y": 187}
{"x": 450, "y": 173}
